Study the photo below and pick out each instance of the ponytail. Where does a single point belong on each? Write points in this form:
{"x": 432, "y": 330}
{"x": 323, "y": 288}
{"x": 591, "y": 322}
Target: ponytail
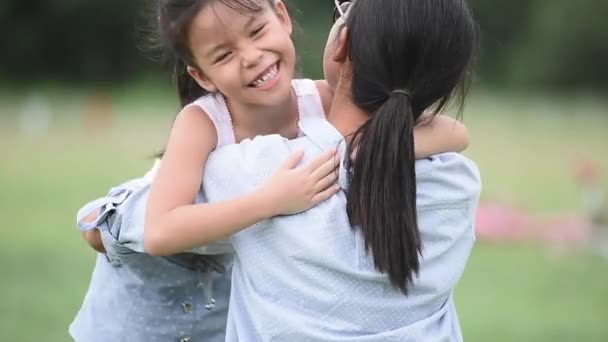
{"x": 381, "y": 200}
{"x": 424, "y": 51}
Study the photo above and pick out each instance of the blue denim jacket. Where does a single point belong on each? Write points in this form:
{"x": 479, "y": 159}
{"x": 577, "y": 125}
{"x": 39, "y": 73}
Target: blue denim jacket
{"x": 135, "y": 297}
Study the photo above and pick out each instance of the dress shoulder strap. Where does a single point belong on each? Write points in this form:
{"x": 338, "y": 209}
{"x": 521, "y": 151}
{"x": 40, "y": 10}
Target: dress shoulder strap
{"x": 215, "y": 106}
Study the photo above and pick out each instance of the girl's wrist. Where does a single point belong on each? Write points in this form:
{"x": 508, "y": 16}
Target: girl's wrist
{"x": 264, "y": 203}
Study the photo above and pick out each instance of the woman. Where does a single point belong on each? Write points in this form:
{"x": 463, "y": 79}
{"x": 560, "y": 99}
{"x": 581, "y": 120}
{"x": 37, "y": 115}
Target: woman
{"x": 379, "y": 261}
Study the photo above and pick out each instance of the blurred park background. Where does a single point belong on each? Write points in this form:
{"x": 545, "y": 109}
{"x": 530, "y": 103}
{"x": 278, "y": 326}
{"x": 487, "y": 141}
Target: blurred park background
{"x": 84, "y": 107}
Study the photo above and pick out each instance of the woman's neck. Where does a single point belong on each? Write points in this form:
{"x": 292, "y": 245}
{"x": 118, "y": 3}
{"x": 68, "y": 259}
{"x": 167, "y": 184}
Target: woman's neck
{"x": 344, "y": 115}
{"x": 250, "y": 121}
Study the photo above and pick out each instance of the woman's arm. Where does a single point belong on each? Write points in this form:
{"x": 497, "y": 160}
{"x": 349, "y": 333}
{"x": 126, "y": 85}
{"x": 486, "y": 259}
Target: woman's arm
{"x": 173, "y": 223}
{"x": 439, "y": 135}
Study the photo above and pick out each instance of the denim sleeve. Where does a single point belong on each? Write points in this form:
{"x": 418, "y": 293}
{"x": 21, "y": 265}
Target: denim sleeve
{"x": 122, "y": 215}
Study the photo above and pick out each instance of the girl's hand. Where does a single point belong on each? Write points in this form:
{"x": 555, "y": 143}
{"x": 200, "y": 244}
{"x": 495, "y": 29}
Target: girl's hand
{"x": 291, "y": 190}
{"x": 93, "y": 236}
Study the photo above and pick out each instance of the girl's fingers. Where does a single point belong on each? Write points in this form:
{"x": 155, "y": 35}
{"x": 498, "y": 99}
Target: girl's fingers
{"x": 325, "y": 194}
{"x": 293, "y": 160}
{"x": 313, "y": 165}
{"x": 326, "y": 181}
{"x": 326, "y": 168}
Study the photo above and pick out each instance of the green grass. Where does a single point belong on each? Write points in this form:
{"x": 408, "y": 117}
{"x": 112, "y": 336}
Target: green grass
{"x": 523, "y": 146}
{"x": 526, "y": 148}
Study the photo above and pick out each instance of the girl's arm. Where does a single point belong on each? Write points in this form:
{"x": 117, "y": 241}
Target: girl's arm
{"x": 173, "y": 223}
{"x": 439, "y": 135}
{"x": 93, "y": 236}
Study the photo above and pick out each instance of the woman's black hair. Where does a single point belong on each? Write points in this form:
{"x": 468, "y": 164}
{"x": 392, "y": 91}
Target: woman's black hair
{"x": 406, "y": 56}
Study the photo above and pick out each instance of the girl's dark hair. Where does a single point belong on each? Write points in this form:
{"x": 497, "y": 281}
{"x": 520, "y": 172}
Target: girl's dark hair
{"x": 172, "y": 19}
{"x": 406, "y": 56}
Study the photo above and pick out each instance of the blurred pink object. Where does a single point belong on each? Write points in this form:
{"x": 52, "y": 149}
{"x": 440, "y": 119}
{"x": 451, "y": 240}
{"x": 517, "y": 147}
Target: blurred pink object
{"x": 586, "y": 229}
{"x": 565, "y": 229}
{"x": 504, "y": 222}
{"x": 97, "y": 113}
{"x": 498, "y": 222}
{"x": 586, "y": 172}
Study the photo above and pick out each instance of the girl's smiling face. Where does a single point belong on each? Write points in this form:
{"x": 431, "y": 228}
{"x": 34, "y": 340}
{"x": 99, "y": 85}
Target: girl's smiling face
{"x": 248, "y": 57}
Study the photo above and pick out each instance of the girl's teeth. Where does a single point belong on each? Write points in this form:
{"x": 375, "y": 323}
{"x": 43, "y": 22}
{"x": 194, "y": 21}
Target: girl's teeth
{"x": 270, "y": 74}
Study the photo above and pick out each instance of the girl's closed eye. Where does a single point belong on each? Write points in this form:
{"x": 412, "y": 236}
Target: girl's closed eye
{"x": 222, "y": 57}
{"x": 257, "y": 30}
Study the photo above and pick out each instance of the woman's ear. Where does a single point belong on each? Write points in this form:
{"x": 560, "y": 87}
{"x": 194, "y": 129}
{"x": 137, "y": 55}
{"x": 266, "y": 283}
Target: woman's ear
{"x": 340, "y": 53}
{"x": 201, "y": 79}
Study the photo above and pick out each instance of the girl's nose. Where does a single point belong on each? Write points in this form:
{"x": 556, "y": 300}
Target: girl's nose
{"x": 251, "y": 56}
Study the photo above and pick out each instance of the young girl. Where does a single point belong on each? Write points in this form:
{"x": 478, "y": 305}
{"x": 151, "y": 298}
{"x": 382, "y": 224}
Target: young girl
{"x": 245, "y": 69}
{"x": 249, "y": 66}
{"x": 243, "y": 51}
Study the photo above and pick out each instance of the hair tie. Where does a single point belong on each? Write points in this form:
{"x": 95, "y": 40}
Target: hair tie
{"x": 402, "y": 92}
